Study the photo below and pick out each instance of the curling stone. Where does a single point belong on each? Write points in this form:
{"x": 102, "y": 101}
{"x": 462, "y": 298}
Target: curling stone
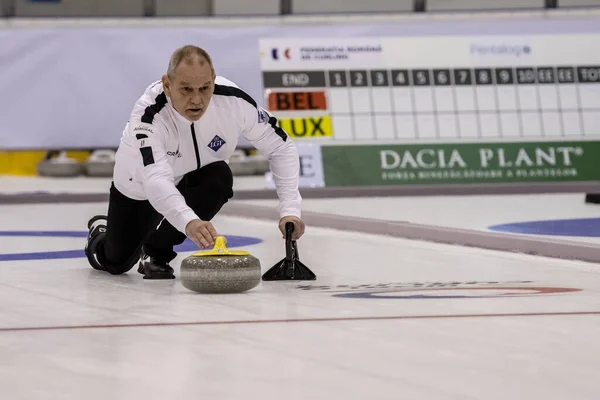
{"x": 100, "y": 163}
{"x": 220, "y": 270}
{"x": 61, "y": 166}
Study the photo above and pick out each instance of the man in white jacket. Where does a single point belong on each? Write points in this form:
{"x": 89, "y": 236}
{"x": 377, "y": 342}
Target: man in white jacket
{"x": 170, "y": 176}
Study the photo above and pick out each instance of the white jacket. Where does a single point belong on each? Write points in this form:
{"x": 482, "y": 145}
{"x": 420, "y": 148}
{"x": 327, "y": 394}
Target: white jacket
{"x": 159, "y": 146}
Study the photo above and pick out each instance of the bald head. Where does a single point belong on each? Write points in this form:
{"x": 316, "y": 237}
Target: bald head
{"x": 189, "y": 55}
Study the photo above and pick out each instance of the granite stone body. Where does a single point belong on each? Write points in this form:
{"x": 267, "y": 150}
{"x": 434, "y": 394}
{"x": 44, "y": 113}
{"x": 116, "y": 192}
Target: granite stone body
{"x": 220, "y": 274}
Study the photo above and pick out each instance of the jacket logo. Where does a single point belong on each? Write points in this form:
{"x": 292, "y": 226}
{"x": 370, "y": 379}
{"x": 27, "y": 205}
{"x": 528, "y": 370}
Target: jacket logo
{"x": 142, "y": 128}
{"x": 263, "y": 116}
{"x": 216, "y": 143}
{"x": 174, "y": 153}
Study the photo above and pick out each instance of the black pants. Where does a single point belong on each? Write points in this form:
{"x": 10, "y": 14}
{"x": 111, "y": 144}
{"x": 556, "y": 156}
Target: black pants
{"x": 134, "y": 225}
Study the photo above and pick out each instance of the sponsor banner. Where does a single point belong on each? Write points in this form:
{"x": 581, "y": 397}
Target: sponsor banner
{"x": 307, "y": 127}
{"x": 311, "y": 167}
{"x": 297, "y": 101}
{"x": 319, "y": 53}
{"x": 355, "y": 165}
{"x": 491, "y": 50}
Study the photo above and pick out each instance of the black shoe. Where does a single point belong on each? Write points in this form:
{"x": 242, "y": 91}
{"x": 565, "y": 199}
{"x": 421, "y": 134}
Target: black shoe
{"x": 592, "y": 198}
{"x": 96, "y": 229}
{"x": 153, "y": 269}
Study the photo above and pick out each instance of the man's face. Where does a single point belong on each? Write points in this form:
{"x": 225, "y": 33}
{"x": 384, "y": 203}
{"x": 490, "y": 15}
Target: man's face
{"x": 191, "y": 87}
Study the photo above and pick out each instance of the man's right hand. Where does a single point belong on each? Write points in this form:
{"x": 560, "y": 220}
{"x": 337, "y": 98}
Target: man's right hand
{"x": 202, "y": 233}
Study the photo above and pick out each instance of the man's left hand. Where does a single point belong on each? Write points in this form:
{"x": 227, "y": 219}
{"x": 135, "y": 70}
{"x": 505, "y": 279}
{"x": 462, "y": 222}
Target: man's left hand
{"x": 298, "y": 226}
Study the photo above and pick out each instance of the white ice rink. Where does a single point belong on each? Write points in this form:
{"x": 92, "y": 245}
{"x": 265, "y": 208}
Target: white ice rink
{"x": 387, "y": 319}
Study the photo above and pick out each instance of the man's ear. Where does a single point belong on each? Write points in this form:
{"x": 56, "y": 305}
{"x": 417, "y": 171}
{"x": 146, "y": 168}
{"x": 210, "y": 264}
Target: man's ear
{"x": 166, "y": 84}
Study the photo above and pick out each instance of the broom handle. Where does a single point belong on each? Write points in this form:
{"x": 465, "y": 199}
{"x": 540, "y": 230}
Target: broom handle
{"x": 289, "y": 229}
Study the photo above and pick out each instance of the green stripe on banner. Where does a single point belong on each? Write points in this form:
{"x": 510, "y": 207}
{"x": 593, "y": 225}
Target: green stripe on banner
{"x": 369, "y": 165}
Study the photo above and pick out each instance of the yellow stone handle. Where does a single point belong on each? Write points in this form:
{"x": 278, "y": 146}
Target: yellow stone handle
{"x": 220, "y": 249}
{"x": 220, "y": 244}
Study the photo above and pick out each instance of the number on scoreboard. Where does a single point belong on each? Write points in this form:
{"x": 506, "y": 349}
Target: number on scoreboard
{"x": 339, "y": 104}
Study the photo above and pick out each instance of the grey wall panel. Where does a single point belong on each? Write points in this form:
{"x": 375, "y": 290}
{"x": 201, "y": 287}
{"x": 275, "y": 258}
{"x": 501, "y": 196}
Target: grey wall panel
{"x": 81, "y": 8}
{"x": 576, "y": 3}
{"x": 439, "y": 5}
{"x": 183, "y": 8}
{"x": 341, "y": 6}
{"x": 254, "y": 7}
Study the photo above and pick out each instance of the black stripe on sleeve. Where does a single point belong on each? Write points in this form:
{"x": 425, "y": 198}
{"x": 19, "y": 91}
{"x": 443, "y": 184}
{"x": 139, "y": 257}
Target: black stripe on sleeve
{"x": 280, "y": 132}
{"x": 147, "y": 155}
{"x": 223, "y": 90}
{"x": 159, "y": 103}
{"x": 235, "y": 92}
{"x": 141, "y": 136}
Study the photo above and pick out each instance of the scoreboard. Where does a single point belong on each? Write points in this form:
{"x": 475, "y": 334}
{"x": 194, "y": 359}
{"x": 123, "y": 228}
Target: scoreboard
{"x": 435, "y": 89}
